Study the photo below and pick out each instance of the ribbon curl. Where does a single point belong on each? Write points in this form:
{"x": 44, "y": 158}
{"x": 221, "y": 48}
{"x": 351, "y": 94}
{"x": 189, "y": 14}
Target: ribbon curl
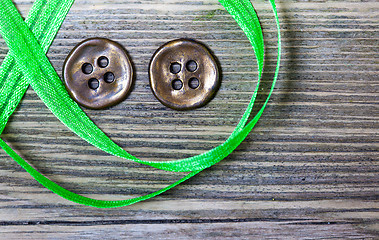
{"x": 27, "y": 63}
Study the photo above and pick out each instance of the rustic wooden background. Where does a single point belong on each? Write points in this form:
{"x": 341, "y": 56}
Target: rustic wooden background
{"x": 309, "y": 170}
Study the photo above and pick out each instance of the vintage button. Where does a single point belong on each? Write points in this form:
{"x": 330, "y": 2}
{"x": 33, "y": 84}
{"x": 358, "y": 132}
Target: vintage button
{"x": 98, "y": 73}
{"x": 183, "y": 74}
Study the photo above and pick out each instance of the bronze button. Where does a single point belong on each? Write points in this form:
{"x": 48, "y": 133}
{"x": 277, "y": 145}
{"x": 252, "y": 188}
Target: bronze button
{"x": 98, "y": 73}
{"x": 184, "y": 74}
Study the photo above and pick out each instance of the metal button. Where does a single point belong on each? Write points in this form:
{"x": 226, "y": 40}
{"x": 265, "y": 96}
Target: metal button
{"x": 184, "y": 74}
{"x": 98, "y": 73}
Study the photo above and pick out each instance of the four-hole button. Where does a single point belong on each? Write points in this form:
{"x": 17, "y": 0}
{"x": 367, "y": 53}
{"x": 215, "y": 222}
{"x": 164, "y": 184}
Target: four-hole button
{"x": 98, "y": 73}
{"x": 183, "y": 74}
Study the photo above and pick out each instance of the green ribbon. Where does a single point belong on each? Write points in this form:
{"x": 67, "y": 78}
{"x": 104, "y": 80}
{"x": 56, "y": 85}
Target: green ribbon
{"x": 27, "y": 63}
{"x": 44, "y": 20}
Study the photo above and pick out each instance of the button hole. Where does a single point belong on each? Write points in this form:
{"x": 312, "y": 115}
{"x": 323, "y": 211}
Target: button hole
{"x": 93, "y": 83}
{"x": 103, "y": 62}
{"x": 87, "y": 68}
{"x": 177, "y": 84}
{"x": 194, "y": 83}
{"x": 191, "y": 66}
{"x": 109, "y": 77}
{"x": 175, "y": 68}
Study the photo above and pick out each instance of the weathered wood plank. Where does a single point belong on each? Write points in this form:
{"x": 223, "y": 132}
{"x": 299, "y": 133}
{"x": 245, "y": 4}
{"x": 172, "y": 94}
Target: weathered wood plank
{"x": 309, "y": 170}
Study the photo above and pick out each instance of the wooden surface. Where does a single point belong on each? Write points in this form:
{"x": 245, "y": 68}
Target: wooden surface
{"x": 309, "y": 170}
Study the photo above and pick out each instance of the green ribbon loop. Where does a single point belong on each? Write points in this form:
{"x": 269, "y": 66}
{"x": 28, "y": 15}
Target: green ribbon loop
{"x": 28, "y": 64}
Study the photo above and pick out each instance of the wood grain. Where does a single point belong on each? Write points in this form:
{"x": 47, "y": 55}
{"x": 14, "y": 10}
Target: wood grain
{"x": 309, "y": 170}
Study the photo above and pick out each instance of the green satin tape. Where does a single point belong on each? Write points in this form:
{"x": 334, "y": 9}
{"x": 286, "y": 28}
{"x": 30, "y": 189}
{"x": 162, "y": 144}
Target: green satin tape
{"x": 27, "y": 64}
